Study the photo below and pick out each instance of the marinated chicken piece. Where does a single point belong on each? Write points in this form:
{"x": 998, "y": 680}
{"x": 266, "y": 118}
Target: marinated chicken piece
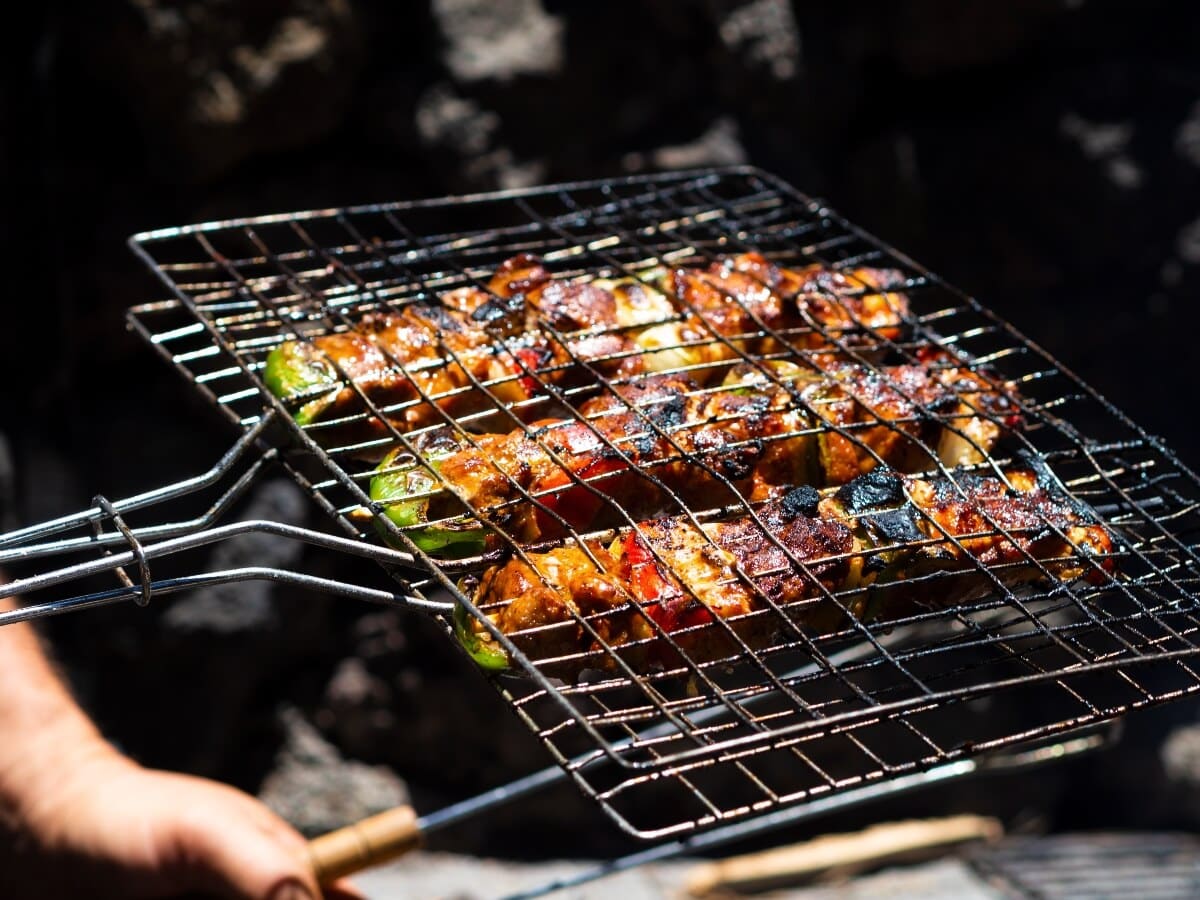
{"x": 810, "y": 563}
{"x": 760, "y": 434}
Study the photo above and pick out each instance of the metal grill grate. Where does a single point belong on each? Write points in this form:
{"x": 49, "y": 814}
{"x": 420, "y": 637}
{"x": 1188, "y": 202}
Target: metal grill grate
{"x": 1093, "y": 866}
{"x": 704, "y": 742}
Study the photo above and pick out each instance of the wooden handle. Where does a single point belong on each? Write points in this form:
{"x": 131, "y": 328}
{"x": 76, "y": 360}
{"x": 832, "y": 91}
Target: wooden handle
{"x": 371, "y": 842}
{"x": 840, "y": 854}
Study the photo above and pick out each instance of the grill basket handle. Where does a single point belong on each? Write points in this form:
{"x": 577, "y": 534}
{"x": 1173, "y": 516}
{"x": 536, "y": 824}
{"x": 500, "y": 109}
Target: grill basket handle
{"x": 130, "y": 553}
{"x": 370, "y": 842}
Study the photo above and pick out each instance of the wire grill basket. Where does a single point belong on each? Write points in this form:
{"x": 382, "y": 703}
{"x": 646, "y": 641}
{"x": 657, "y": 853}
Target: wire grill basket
{"x": 706, "y": 741}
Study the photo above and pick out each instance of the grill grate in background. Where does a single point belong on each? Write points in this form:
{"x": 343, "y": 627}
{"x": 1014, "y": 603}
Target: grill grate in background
{"x": 1093, "y": 866}
{"x": 709, "y": 742}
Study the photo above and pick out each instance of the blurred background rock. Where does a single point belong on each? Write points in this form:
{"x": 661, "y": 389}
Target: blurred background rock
{"x": 1044, "y": 156}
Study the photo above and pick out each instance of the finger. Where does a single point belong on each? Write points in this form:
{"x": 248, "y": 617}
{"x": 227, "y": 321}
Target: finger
{"x": 236, "y": 857}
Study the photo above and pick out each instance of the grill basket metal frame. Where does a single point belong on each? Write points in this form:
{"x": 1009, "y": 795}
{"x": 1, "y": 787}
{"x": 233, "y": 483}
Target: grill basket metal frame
{"x": 701, "y": 744}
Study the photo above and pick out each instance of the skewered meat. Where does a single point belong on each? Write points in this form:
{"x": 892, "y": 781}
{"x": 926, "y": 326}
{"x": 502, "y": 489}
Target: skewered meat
{"x": 812, "y": 563}
{"x": 529, "y": 330}
{"x": 756, "y": 435}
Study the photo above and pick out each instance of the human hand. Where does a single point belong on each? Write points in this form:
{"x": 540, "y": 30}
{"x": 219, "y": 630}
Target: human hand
{"x": 105, "y": 827}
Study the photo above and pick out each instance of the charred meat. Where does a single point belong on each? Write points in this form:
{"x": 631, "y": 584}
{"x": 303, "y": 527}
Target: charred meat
{"x": 473, "y": 350}
{"x": 808, "y": 563}
{"x": 664, "y": 439}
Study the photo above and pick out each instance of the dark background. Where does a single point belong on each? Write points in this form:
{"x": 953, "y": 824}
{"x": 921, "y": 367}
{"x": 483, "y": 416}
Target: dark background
{"x": 1043, "y": 156}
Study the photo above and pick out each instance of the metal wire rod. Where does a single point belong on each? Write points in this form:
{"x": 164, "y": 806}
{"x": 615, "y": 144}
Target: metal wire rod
{"x": 374, "y": 552}
{"x": 719, "y": 837}
{"x": 225, "y": 576}
{"x": 522, "y": 787}
{"x": 707, "y": 840}
{"x": 148, "y": 498}
{"x": 68, "y": 545}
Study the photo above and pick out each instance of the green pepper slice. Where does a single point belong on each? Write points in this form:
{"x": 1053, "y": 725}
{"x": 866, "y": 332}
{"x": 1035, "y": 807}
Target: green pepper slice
{"x": 406, "y": 493}
{"x": 480, "y": 646}
{"x": 293, "y": 370}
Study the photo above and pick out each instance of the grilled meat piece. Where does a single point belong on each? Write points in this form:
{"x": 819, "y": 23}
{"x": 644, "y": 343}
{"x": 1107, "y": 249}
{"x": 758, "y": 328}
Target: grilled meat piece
{"x": 868, "y": 542}
{"x": 665, "y": 433}
{"x": 528, "y": 330}
{"x": 434, "y": 350}
{"x": 741, "y": 296}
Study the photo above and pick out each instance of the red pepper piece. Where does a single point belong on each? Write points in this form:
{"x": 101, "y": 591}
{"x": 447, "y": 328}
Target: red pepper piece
{"x": 532, "y": 361}
{"x": 662, "y": 604}
{"x": 576, "y": 504}
{"x": 681, "y": 613}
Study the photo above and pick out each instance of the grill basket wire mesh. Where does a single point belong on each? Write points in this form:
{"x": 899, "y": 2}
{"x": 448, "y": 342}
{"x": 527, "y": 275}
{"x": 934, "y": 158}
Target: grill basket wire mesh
{"x": 1093, "y": 866}
{"x": 789, "y": 724}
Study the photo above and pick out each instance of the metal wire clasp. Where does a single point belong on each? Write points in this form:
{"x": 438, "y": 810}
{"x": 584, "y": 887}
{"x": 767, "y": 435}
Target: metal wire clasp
{"x": 134, "y": 545}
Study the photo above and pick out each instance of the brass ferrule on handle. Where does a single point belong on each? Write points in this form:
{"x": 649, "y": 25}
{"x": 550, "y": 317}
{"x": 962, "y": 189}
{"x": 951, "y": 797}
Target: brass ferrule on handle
{"x": 371, "y": 842}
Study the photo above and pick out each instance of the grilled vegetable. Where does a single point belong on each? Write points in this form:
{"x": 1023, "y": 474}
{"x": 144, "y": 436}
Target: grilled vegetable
{"x": 823, "y": 558}
{"x": 762, "y": 438}
{"x": 527, "y": 330}
{"x": 297, "y": 372}
{"x": 486, "y": 653}
{"x": 419, "y": 486}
